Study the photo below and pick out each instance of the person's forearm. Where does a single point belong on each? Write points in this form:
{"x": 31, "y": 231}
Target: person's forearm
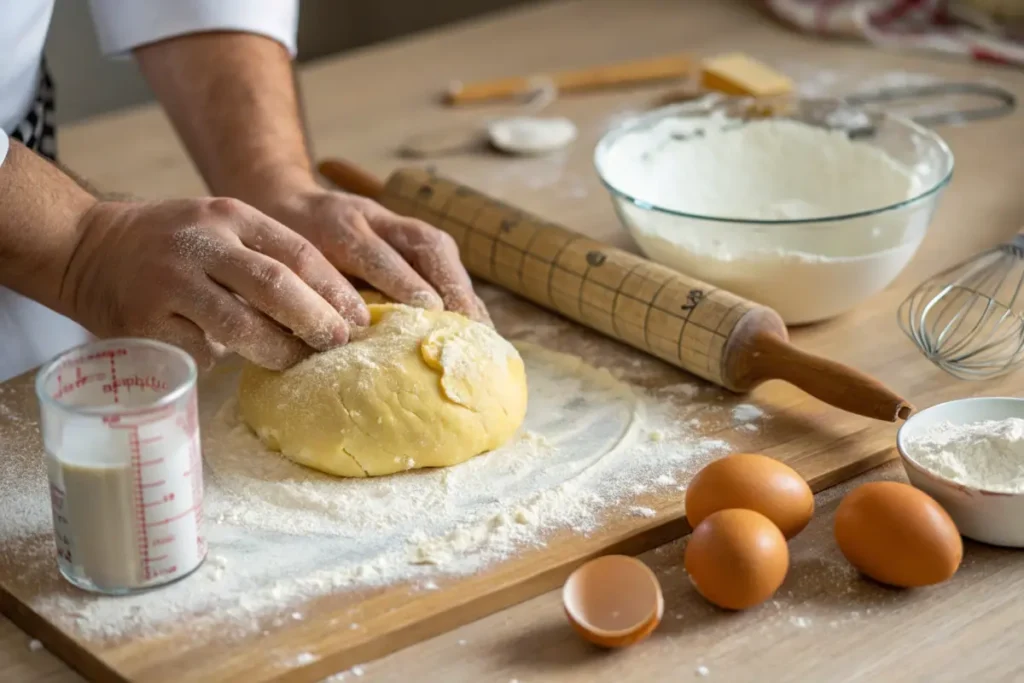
{"x": 40, "y": 213}
{"x": 233, "y": 100}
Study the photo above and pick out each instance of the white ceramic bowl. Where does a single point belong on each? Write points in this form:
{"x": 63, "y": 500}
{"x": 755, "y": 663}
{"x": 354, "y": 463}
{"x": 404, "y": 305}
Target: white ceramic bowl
{"x": 988, "y": 516}
{"x": 830, "y": 277}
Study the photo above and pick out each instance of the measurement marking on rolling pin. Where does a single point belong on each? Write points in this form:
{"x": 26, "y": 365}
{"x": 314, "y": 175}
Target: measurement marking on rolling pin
{"x": 554, "y": 265}
{"x": 154, "y": 484}
{"x": 648, "y": 305}
{"x": 526, "y": 252}
{"x": 152, "y": 439}
{"x": 150, "y": 463}
{"x": 706, "y": 316}
{"x": 615, "y": 299}
{"x": 164, "y": 540}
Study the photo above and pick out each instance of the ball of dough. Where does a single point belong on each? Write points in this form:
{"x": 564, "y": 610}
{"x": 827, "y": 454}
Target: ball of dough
{"x": 415, "y": 389}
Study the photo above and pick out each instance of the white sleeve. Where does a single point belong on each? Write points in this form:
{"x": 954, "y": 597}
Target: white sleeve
{"x": 5, "y": 144}
{"x": 122, "y": 25}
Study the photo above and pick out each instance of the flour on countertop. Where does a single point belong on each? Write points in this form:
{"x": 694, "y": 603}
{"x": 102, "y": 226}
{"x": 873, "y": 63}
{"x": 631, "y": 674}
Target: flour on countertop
{"x": 745, "y": 412}
{"x": 280, "y": 534}
{"x": 800, "y": 622}
{"x": 987, "y": 455}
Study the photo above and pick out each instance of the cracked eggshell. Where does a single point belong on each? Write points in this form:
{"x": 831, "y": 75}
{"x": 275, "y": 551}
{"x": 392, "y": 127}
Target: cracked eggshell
{"x": 613, "y": 601}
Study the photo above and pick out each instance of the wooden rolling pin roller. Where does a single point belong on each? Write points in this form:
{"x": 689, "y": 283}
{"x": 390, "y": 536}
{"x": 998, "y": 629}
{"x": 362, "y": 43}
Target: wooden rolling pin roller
{"x": 709, "y": 332}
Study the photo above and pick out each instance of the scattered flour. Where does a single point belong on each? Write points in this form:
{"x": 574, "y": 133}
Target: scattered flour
{"x": 548, "y": 173}
{"x": 766, "y": 171}
{"x": 280, "y": 534}
{"x": 303, "y": 658}
{"x": 987, "y": 455}
{"x": 745, "y": 412}
{"x": 687, "y": 391}
{"x": 34, "y": 645}
{"x": 531, "y": 134}
{"x": 800, "y": 622}
{"x": 702, "y": 671}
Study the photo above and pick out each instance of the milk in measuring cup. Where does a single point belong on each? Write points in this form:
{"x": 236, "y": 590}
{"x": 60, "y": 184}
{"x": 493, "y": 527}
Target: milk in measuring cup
{"x": 124, "y": 464}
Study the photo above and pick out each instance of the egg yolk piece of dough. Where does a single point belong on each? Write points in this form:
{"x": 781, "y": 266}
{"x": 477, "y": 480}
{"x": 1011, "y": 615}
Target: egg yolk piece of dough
{"x": 415, "y": 389}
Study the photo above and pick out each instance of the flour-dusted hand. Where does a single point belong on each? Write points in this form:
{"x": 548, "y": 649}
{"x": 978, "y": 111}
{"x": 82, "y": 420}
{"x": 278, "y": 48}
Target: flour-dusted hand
{"x": 207, "y": 275}
{"x": 408, "y": 260}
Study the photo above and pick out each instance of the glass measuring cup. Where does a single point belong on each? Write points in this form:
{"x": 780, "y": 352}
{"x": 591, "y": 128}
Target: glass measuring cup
{"x": 120, "y": 429}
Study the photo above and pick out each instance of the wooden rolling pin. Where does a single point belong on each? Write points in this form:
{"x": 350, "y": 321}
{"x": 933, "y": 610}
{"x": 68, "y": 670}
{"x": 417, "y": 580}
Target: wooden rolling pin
{"x": 605, "y": 76}
{"x": 707, "y": 331}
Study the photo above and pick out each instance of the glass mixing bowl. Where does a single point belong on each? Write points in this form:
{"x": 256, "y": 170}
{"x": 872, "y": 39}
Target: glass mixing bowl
{"x": 807, "y": 269}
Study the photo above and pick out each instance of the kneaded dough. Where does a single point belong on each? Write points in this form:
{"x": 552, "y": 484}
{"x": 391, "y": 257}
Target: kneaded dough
{"x": 415, "y": 389}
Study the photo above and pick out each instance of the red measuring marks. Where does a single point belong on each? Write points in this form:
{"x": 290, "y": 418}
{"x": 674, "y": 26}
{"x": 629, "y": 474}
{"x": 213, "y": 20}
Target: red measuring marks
{"x": 167, "y": 488}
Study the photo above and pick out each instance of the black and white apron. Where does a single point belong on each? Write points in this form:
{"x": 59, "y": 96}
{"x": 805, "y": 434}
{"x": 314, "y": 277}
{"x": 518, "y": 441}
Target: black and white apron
{"x": 37, "y": 131}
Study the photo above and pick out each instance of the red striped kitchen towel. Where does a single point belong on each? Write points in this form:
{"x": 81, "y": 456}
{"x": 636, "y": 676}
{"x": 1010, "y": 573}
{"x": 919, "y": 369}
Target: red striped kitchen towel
{"x": 975, "y": 29}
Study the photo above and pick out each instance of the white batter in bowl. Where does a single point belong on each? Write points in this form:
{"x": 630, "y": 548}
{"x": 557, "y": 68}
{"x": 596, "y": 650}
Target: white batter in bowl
{"x": 800, "y": 218}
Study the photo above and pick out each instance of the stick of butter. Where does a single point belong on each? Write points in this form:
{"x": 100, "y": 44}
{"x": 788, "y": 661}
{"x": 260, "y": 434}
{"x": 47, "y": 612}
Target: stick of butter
{"x": 738, "y": 74}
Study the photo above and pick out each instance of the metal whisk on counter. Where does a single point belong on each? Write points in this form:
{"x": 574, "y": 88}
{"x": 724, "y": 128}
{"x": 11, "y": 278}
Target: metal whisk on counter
{"x": 969, "y": 319}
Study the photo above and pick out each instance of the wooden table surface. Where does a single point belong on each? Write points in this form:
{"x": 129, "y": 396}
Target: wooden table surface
{"x": 825, "y": 623}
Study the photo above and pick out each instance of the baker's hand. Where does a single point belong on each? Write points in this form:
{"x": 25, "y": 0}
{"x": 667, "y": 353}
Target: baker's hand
{"x": 406, "y": 259}
{"x": 207, "y": 275}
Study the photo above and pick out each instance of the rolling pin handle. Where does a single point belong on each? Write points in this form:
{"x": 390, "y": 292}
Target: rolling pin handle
{"x": 351, "y": 178}
{"x": 834, "y": 383}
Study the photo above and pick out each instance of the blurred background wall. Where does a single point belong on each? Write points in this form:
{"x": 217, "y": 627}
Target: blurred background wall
{"x": 90, "y": 84}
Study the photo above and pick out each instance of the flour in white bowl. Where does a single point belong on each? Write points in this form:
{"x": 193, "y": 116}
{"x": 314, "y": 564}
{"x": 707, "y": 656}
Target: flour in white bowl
{"x": 770, "y": 170}
{"x": 773, "y": 169}
{"x": 987, "y": 455}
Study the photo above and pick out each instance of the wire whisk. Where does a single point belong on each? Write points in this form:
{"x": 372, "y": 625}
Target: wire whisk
{"x": 969, "y": 319}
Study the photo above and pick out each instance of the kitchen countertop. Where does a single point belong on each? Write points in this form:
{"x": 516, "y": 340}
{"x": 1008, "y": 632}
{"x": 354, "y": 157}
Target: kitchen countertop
{"x": 825, "y": 623}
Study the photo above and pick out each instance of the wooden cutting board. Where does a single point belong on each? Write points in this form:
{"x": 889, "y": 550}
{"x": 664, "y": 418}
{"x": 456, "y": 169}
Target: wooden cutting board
{"x": 824, "y": 444}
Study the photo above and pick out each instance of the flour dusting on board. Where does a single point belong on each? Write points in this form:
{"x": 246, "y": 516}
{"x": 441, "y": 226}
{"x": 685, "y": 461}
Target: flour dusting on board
{"x": 281, "y": 534}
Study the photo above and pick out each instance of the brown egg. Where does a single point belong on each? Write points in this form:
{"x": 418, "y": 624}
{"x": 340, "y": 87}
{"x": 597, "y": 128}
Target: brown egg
{"x": 898, "y": 535}
{"x": 737, "y": 558}
{"x": 751, "y": 482}
{"x": 613, "y": 601}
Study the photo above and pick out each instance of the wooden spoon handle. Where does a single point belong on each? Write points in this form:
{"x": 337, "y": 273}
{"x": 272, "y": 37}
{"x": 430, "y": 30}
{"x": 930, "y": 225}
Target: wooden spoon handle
{"x": 834, "y": 383}
{"x": 590, "y": 78}
{"x": 351, "y": 178}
